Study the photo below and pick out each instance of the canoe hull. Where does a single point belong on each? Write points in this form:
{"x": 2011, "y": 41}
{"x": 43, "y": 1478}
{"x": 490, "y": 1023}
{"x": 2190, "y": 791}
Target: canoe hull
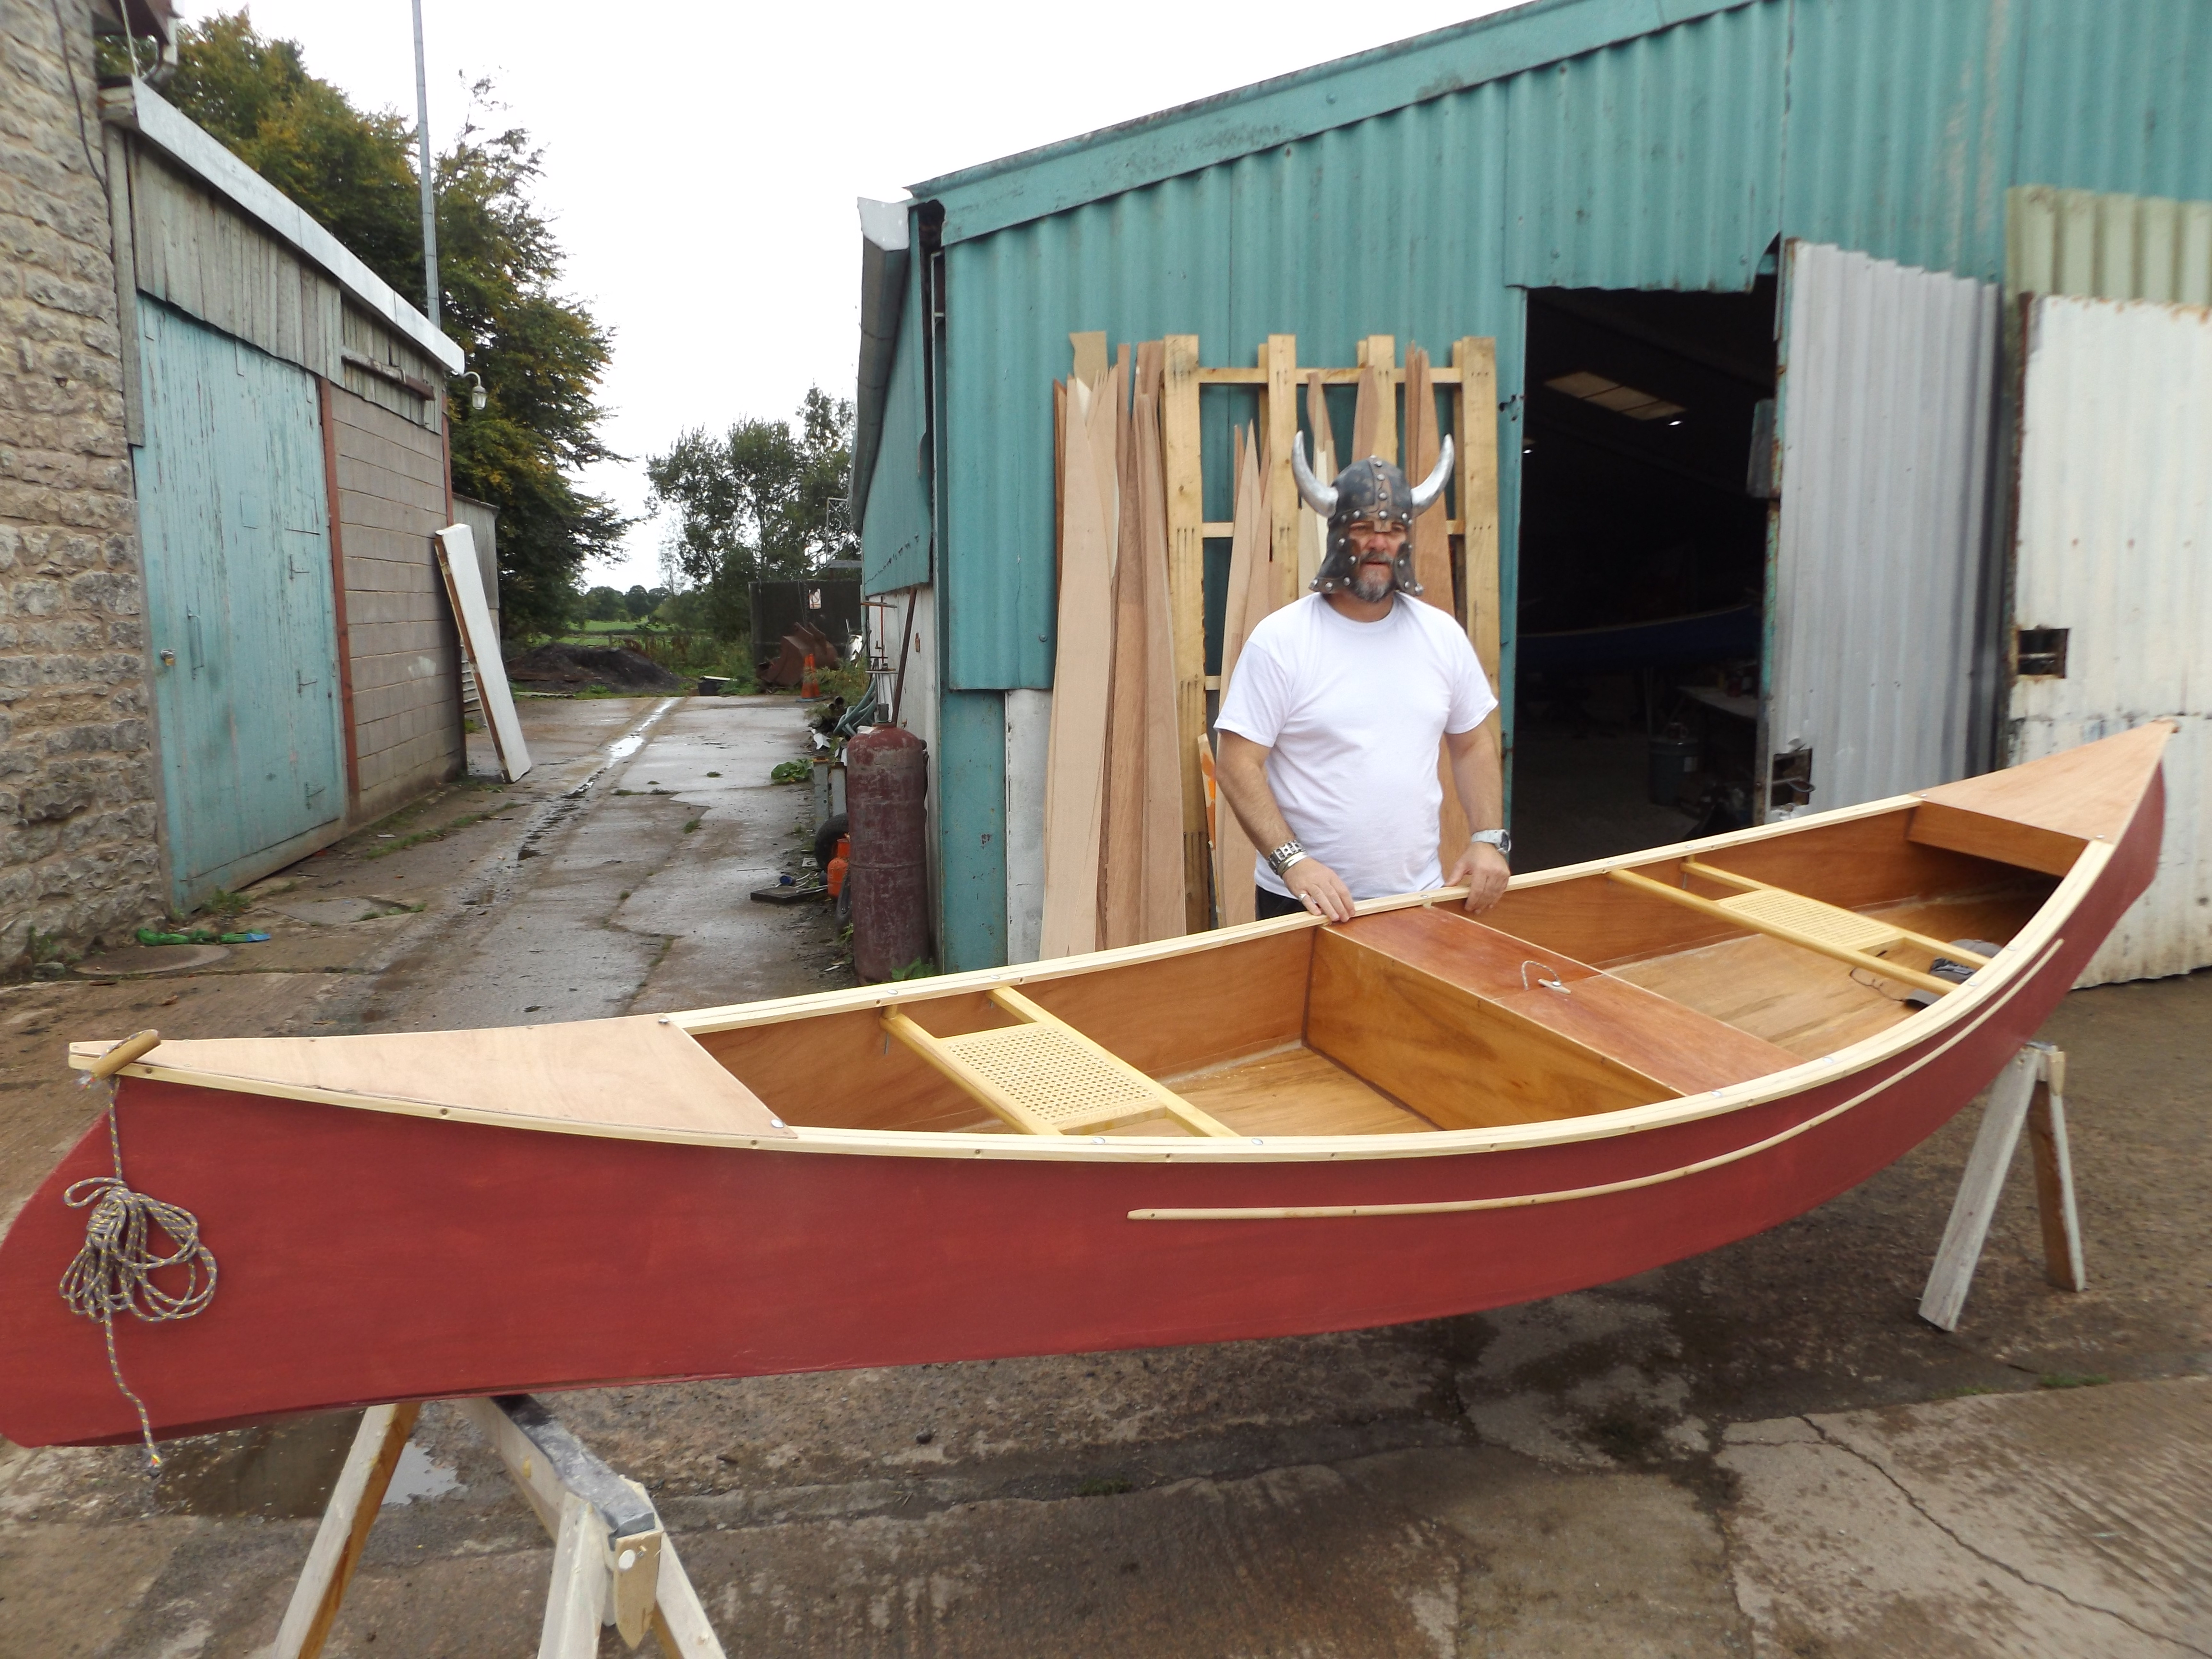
{"x": 370, "y": 1256}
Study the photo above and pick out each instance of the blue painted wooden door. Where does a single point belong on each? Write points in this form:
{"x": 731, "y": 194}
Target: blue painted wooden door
{"x": 235, "y": 525}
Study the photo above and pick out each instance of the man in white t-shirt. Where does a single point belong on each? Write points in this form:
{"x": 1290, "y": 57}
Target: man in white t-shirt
{"x": 1329, "y": 731}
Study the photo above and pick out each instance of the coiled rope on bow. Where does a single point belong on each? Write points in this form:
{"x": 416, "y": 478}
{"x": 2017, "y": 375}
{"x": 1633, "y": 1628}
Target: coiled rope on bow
{"x": 113, "y": 1273}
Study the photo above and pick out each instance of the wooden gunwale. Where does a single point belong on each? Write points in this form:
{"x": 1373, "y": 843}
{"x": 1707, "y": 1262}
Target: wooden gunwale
{"x": 2012, "y": 968}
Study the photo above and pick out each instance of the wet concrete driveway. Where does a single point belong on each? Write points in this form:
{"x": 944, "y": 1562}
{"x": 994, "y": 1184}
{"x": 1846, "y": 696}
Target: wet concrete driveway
{"x": 1758, "y": 1450}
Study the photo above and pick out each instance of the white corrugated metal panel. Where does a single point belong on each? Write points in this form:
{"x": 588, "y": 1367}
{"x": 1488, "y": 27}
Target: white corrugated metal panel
{"x": 2115, "y": 533}
{"x": 2107, "y": 246}
{"x": 1886, "y": 393}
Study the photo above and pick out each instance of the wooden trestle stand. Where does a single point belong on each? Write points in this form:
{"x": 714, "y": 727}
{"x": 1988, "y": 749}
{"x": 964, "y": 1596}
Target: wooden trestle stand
{"x": 2030, "y": 1090}
{"x": 612, "y": 1560}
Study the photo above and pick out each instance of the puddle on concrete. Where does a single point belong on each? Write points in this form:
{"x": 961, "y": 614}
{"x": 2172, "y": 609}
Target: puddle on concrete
{"x": 283, "y": 1470}
{"x": 416, "y": 1476}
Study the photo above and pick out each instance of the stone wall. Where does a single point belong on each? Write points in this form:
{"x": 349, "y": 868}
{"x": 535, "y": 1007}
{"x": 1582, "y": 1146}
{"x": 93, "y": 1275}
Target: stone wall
{"x": 80, "y": 856}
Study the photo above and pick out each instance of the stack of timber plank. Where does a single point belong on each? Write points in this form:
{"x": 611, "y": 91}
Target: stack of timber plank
{"x": 1254, "y": 589}
{"x": 1433, "y": 569}
{"x": 1113, "y": 826}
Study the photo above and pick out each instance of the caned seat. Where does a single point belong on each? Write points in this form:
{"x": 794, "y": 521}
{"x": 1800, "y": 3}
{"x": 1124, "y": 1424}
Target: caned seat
{"x": 1044, "y": 1077}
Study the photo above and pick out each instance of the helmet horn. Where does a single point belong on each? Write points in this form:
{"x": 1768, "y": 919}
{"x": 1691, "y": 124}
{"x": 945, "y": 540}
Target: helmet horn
{"x": 1319, "y": 496}
{"x": 1424, "y": 495}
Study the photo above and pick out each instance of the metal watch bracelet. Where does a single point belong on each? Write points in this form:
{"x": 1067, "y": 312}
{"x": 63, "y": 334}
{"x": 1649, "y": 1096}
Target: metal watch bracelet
{"x": 1284, "y": 857}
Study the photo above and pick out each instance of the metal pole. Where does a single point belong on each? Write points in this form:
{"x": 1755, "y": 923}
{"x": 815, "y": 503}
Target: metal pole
{"x": 429, "y": 201}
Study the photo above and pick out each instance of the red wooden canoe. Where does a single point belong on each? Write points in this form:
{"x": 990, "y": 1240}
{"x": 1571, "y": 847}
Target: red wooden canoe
{"x": 1275, "y": 1129}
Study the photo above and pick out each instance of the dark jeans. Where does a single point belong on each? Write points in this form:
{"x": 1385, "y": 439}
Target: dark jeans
{"x": 1266, "y": 906}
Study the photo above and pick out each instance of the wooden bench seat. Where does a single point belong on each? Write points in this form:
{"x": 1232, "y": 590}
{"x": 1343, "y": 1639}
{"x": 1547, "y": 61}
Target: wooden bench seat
{"x": 1458, "y": 1020}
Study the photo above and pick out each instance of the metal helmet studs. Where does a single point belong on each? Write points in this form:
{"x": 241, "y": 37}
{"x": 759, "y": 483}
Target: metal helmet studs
{"x": 1370, "y": 491}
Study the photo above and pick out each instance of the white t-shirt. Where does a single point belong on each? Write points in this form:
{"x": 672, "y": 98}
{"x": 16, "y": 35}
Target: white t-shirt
{"x": 1352, "y": 713}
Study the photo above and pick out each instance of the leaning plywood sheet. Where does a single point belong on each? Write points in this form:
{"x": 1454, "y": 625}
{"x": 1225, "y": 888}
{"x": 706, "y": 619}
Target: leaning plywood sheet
{"x": 1164, "y": 914}
{"x": 638, "y": 1072}
{"x": 1252, "y": 589}
{"x": 1074, "y": 775}
{"x": 457, "y": 559}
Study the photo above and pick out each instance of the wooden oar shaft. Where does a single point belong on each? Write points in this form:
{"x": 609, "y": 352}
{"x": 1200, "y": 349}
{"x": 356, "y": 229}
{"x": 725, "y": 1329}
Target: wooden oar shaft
{"x": 1745, "y": 884}
{"x": 1781, "y": 931}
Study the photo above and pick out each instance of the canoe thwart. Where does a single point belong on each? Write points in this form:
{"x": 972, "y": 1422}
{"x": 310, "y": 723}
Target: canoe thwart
{"x": 1815, "y": 917}
{"x": 1044, "y": 1077}
{"x": 1788, "y": 929}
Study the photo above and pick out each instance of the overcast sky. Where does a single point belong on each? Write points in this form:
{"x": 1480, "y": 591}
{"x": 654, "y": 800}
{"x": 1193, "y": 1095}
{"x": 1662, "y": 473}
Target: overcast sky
{"x": 702, "y": 161}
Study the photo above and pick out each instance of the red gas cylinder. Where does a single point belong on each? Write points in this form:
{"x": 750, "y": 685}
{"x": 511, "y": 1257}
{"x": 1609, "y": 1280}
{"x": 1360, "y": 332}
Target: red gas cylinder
{"x": 886, "y": 781}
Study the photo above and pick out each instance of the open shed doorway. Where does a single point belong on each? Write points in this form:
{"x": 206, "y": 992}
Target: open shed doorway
{"x": 1643, "y": 561}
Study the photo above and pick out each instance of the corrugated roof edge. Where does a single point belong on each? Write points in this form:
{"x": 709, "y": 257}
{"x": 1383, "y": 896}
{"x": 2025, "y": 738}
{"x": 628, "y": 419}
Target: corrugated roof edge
{"x": 1035, "y": 183}
{"x": 173, "y": 132}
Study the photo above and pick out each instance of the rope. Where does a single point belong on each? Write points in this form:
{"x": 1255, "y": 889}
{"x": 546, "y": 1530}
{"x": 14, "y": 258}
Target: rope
{"x": 113, "y": 1273}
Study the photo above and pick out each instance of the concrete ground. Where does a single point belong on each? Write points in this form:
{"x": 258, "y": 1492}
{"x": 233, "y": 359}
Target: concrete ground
{"x": 1760, "y": 1450}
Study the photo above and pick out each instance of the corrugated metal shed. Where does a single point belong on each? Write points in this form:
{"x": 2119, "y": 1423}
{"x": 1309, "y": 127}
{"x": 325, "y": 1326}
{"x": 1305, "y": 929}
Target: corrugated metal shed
{"x": 2115, "y": 546}
{"x": 2107, "y": 246}
{"x": 894, "y": 528}
{"x": 1885, "y": 480}
{"x": 1623, "y": 143}
{"x": 1649, "y": 163}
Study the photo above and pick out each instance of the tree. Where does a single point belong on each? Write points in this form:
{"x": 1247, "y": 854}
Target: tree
{"x": 764, "y": 500}
{"x": 605, "y": 604}
{"x": 641, "y": 602}
{"x": 541, "y": 356}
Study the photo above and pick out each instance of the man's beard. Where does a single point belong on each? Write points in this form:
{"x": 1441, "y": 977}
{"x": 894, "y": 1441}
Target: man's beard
{"x": 1371, "y": 584}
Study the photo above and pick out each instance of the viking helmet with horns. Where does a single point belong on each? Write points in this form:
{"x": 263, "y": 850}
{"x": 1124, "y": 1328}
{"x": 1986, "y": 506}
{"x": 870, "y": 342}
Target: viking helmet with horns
{"x": 1371, "y": 491}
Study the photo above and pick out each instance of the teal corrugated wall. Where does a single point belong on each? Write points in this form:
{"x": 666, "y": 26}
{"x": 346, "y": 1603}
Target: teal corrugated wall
{"x": 1622, "y": 149}
{"x": 1652, "y": 163}
{"x": 1349, "y": 234}
{"x": 971, "y": 829}
{"x": 895, "y": 538}
{"x": 2117, "y": 96}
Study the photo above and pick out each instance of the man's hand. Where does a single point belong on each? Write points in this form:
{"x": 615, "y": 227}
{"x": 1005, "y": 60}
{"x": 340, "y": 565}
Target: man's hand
{"x": 1485, "y": 870}
{"x": 1320, "y": 888}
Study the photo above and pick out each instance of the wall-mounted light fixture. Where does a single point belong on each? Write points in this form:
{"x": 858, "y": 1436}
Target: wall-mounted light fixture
{"x": 478, "y": 396}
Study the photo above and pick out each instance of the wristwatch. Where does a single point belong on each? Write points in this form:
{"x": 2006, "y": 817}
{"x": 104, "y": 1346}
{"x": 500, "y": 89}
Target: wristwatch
{"x": 1284, "y": 856}
{"x": 1501, "y": 839}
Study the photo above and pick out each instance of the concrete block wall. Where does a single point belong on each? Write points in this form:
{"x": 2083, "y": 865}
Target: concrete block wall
{"x": 80, "y": 855}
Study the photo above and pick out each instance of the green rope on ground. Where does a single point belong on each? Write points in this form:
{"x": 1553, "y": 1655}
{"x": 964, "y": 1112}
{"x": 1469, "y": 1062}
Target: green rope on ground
{"x": 113, "y": 1273}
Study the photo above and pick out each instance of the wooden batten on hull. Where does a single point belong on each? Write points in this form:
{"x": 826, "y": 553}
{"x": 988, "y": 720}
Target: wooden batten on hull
{"x": 1411, "y": 1115}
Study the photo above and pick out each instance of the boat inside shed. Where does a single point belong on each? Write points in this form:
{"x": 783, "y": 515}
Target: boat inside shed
{"x": 1642, "y": 569}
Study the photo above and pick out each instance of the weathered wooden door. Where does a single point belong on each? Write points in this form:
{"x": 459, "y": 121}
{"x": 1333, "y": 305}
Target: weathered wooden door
{"x": 235, "y": 525}
{"x": 1880, "y": 550}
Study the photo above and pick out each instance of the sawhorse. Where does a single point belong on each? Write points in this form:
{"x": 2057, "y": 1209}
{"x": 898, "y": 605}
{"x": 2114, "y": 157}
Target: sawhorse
{"x": 612, "y": 1560}
{"x": 2029, "y": 1091}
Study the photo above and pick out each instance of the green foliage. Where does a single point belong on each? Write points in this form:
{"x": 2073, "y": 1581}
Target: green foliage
{"x": 642, "y": 602}
{"x": 923, "y": 968}
{"x": 849, "y": 681}
{"x": 605, "y": 604}
{"x": 791, "y": 771}
{"x": 541, "y": 356}
{"x": 226, "y": 904}
{"x": 764, "y": 500}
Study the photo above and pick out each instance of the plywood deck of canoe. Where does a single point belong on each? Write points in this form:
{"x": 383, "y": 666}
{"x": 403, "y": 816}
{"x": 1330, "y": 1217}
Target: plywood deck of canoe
{"x": 1809, "y": 1004}
{"x": 1290, "y": 1091}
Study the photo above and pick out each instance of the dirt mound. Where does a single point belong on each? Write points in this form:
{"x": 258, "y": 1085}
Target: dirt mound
{"x": 574, "y": 667}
